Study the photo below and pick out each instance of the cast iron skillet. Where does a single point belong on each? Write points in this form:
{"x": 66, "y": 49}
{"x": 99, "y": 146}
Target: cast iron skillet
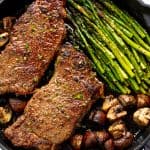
{"x": 137, "y": 8}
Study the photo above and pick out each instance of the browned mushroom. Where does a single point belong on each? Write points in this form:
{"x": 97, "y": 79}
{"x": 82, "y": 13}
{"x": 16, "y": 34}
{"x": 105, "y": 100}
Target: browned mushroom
{"x": 124, "y": 141}
{"x": 143, "y": 100}
{"x": 98, "y": 117}
{"x": 4, "y": 37}
{"x": 8, "y": 23}
{"x": 76, "y": 141}
{"x": 116, "y": 112}
{"x": 142, "y": 116}
{"x": 101, "y": 136}
{"x": 17, "y": 105}
{"x": 109, "y": 145}
{"x": 5, "y": 115}
{"x": 89, "y": 139}
{"x": 127, "y": 100}
{"x": 109, "y": 101}
{"x": 117, "y": 129}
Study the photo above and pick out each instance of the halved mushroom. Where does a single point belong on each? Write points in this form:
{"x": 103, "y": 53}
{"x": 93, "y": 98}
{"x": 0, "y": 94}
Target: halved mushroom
{"x": 116, "y": 112}
{"x": 98, "y": 117}
{"x": 109, "y": 145}
{"x": 143, "y": 100}
{"x": 8, "y": 22}
{"x": 17, "y": 105}
{"x": 117, "y": 129}
{"x": 5, "y": 115}
{"x": 101, "y": 136}
{"x": 76, "y": 141}
{"x": 89, "y": 140}
{"x": 124, "y": 141}
{"x": 142, "y": 116}
{"x": 109, "y": 101}
{"x": 4, "y": 37}
{"x": 127, "y": 100}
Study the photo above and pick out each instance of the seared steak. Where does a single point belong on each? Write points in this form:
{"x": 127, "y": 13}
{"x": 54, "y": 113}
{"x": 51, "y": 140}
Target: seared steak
{"x": 53, "y": 112}
{"x": 35, "y": 39}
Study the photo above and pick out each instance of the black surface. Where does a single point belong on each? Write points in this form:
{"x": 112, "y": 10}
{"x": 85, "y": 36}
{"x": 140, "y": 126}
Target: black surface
{"x": 147, "y": 146}
{"x": 137, "y": 9}
{"x": 143, "y": 141}
{"x": 141, "y": 10}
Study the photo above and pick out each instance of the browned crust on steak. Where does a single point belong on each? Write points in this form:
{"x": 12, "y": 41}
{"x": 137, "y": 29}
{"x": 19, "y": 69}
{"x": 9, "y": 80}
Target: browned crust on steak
{"x": 35, "y": 40}
{"x": 54, "y": 111}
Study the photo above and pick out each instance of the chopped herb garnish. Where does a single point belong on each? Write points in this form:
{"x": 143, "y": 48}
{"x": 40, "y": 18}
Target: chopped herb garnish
{"x": 26, "y": 46}
{"x": 33, "y": 28}
{"x": 35, "y": 79}
{"x": 40, "y": 56}
{"x": 78, "y": 96}
{"x": 25, "y": 58}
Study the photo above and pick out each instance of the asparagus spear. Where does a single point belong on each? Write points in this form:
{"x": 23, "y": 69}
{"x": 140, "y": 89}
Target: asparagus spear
{"x": 122, "y": 75}
{"x": 128, "y": 40}
{"x": 110, "y": 53}
{"x": 129, "y": 20}
{"x": 97, "y": 63}
{"x": 119, "y": 55}
{"x": 111, "y": 6}
{"x": 101, "y": 71}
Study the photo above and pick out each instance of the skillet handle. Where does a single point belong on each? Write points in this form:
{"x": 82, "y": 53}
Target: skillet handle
{"x": 144, "y": 3}
{"x": 1, "y": 1}
{"x": 3, "y": 146}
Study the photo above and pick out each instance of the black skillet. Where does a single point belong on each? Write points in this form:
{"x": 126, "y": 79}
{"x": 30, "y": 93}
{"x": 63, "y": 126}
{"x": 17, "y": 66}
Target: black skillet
{"x": 137, "y": 8}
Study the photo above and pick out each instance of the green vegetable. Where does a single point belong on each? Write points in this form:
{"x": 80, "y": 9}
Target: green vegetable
{"x": 116, "y": 43}
{"x": 78, "y": 96}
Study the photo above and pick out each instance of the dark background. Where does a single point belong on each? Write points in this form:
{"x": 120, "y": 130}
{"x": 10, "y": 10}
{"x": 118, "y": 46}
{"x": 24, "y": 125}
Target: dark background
{"x": 138, "y": 10}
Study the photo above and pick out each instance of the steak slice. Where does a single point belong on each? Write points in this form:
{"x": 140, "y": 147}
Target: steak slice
{"x": 35, "y": 39}
{"x": 53, "y": 112}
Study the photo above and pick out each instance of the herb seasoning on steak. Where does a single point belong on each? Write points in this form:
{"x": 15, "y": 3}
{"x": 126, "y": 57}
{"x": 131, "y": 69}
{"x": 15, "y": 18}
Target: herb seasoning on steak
{"x": 35, "y": 39}
{"x": 53, "y": 112}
